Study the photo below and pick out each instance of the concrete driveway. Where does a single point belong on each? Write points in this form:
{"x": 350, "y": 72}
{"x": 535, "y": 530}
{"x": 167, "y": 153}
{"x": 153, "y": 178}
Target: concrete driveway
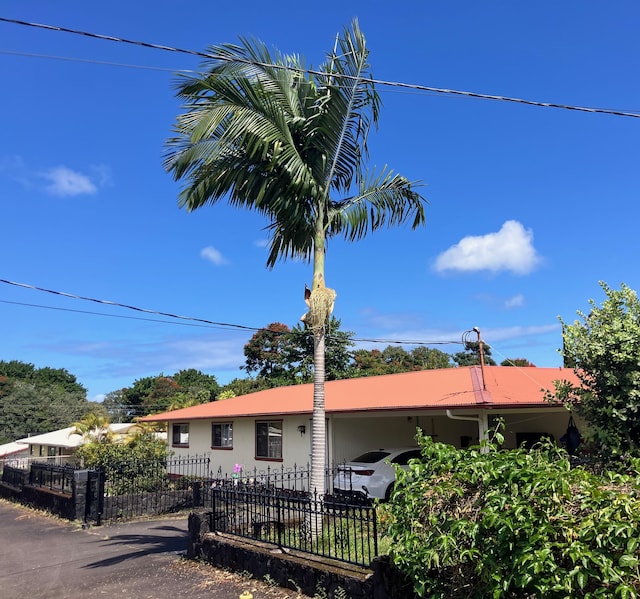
{"x": 42, "y": 557}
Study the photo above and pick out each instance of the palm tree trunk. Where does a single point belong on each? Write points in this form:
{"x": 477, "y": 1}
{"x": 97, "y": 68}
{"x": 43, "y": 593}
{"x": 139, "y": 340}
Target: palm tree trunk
{"x": 318, "y": 431}
{"x": 318, "y": 437}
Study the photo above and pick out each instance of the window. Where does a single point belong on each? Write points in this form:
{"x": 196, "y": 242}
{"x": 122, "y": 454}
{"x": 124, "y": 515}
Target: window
{"x": 180, "y": 436}
{"x": 222, "y": 435}
{"x": 269, "y": 440}
{"x": 402, "y": 459}
{"x": 51, "y": 451}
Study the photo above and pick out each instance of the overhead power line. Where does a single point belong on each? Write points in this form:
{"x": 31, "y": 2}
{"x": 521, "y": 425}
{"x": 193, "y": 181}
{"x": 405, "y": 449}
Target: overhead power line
{"x": 224, "y": 325}
{"x": 128, "y": 307}
{"x": 57, "y": 308}
{"x": 396, "y": 84}
{"x": 96, "y": 62}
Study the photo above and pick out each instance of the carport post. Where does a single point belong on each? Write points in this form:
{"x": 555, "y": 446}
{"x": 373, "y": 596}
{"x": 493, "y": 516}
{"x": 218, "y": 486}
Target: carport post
{"x": 483, "y": 428}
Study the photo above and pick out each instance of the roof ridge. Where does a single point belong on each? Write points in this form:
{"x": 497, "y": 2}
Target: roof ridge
{"x": 480, "y": 391}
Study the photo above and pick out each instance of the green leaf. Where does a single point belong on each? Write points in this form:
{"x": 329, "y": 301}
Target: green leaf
{"x": 628, "y": 561}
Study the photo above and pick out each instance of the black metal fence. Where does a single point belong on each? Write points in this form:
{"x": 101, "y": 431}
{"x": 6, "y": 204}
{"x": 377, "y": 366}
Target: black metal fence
{"x": 52, "y": 477}
{"x": 322, "y": 525}
{"x": 295, "y": 478}
{"x": 16, "y": 477}
{"x": 136, "y": 488}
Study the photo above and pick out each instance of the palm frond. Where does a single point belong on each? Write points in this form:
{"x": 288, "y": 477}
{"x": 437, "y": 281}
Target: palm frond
{"x": 350, "y": 108}
{"x": 383, "y": 199}
{"x": 260, "y": 133}
{"x": 238, "y": 108}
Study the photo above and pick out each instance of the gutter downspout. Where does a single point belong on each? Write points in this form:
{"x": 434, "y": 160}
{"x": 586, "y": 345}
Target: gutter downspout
{"x": 483, "y": 424}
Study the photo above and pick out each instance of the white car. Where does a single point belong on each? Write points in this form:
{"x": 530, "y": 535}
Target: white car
{"x": 373, "y": 474}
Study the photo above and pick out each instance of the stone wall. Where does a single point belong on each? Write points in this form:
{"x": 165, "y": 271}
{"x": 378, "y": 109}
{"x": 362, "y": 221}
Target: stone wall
{"x": 54, "y": 502}
{"x": 147, "y": 504}
{"x": 70, "y": 505}
{"x": 295, "y": 570}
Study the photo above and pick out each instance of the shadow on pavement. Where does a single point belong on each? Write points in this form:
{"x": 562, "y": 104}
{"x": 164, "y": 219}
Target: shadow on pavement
{"x": 142, "y": 544}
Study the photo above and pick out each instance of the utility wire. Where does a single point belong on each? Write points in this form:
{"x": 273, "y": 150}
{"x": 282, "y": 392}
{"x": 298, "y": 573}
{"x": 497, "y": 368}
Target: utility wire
{"x": 223, "y": 325}
{"x": 184, "y": 324}
{"x": 321, "y": 73}
{"x": 97, "y": 62}
{"x": 119, "y": 305}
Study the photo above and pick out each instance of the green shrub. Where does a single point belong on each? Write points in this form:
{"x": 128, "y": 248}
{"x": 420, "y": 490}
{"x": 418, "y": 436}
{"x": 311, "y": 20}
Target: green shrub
{"x": 139, "y": 465}
{"x": 489, "y": 523}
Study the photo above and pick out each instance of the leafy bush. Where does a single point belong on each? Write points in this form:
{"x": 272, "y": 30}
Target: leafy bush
{"x": 138, "y": 465}
{"x": 603, "y": 348}
{"x": 489, "y": 523}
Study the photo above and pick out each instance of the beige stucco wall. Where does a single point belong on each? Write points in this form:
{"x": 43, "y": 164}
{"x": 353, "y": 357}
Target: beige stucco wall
{"x": 351, "y": 435}
{"x": 296, "y": 448}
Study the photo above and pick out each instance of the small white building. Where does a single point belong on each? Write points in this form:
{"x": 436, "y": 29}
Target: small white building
{"x": 13, "y": 454}
{"x": 60, "y": 446}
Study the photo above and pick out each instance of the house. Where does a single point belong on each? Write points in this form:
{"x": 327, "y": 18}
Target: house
{"x": 13, "y": 454}
{"x": 59, "y": 446}
{"x": 453, "y": 405}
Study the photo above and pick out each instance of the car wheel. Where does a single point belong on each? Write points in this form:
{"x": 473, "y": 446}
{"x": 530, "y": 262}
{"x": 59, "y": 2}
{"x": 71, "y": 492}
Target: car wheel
{"x": 388, "y": 492}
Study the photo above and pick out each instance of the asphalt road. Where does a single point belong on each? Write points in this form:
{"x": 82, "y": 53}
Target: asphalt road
{"x": 42, "y": 557}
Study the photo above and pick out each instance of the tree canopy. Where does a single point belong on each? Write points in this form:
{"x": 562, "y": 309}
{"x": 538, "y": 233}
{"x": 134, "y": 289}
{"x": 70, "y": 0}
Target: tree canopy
{"x": 280, "y": 355}
{"x": 471, "y": 355}
{"x": 520, "y": 362}
{"x": 38, "y": 400}
{"x": 603, "y": 347}
{"x": 394, "y": 359}
{"x": 153, "y": 394}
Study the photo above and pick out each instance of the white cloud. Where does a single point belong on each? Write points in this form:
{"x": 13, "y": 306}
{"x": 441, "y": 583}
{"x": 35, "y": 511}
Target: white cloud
{"x": 516, "y": 301}
{"x": 213, "y": 255}
{"x": 102, "y": 174}
{"x": 261, "y": 243}
{"x": 510, "y": 249}
{"x": 59, "y": 181}
{"x": 65, "y": 182}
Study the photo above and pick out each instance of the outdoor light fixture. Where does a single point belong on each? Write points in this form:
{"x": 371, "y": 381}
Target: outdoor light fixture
{"x": 302, "y": 429}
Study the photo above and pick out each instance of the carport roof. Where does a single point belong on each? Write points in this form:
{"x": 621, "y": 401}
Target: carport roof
{"x": 441, "y": 389}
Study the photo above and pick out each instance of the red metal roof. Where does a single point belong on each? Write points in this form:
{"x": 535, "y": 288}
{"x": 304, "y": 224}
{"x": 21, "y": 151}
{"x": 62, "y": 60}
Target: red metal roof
{"x": 446, "y": 388}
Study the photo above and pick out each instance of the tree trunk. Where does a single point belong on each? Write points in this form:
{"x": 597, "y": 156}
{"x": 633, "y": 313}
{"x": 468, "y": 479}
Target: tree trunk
{"x": 318, "y": 431}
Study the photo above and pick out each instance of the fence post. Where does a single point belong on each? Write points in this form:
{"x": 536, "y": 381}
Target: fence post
{"x": 279, "y": 521}
{"x": 212, "y": 524}
{"x": 196, "y": 487}
{"x": 81, "y": 495}
{"x": 374, "y": 517}
{"x": 101, "y": 478}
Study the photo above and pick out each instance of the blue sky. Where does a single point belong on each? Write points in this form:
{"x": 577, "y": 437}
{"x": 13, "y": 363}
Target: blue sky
{"x": 529, "y": 207}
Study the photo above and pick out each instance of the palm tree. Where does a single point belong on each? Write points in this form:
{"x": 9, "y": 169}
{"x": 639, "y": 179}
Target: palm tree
{"x": 94, "y": 428}
{"x": 264, "y": 134}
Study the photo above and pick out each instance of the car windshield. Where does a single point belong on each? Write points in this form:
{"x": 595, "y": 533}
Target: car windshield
{"x": 371, "y": 457}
